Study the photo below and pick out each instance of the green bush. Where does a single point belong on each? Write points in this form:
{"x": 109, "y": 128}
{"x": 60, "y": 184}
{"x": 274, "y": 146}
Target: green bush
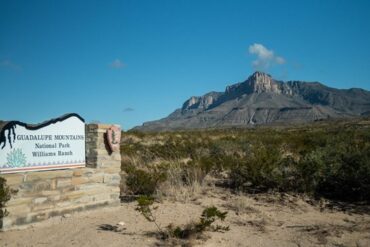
{"x": 310, "y": 171}
{"x": 141, "y": 182}
{"x": 330, "y": 160}
{"x": 347, "y": 174}
{"x": 205, "y": 223}
{"x": 4, "y": 197}
{"x": 257, "y": 172}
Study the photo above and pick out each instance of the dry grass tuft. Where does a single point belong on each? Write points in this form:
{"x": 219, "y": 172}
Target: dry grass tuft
{"x": 181, "y": 185}
{"x": 241, "y": 205}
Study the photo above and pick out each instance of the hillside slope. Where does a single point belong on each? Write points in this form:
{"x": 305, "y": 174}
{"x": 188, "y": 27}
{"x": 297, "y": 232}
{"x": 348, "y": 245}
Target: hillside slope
{"x": 262, "y": 100}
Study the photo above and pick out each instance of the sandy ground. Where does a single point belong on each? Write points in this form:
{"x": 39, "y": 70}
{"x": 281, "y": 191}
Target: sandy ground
{"x": 263, "y": 220}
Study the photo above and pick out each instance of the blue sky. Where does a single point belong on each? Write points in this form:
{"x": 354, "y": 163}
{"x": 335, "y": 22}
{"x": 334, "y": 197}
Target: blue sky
{"x": 128, "y": 62}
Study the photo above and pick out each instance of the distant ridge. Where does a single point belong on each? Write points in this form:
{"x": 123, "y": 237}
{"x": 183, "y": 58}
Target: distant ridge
{"x": 263, "y": 100}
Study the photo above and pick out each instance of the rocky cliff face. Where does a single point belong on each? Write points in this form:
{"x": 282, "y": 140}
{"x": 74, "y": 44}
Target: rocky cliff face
{"x": 260, "y": 100}
{"x": 257, "y": 83}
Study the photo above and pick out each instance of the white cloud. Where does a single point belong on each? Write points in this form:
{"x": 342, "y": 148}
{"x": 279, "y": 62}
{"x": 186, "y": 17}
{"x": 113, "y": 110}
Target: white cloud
{"x": 117, "y": 64}
{"x": 128, "y": 109}
{"x": 279, "y": 60}
{"x": 9, "y": 64}
{"x": 265, "y": 57}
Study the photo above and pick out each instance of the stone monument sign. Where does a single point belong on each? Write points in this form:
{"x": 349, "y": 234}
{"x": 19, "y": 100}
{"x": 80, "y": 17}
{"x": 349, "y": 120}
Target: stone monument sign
{"x": 55, "y": 144}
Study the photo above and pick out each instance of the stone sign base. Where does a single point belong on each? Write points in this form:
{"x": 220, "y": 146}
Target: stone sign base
{"x": 37, "y": 196}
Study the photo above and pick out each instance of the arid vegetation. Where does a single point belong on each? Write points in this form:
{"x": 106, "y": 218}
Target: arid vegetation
{"x": 323, "y": 160}
{"x": 326, "y": 165}
{"x": 301, "y": 186}
{"x": 191, "y": 230}
{"x": 4, "y": 197}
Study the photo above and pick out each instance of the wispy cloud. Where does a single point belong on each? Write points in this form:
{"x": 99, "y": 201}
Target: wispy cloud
{"x": 10, "y": 65}
{"x": 279, "y": 60}
{"x": 128, "y": 109}
{"x": 265, "y": 57}
{"x": 117, "y": 64}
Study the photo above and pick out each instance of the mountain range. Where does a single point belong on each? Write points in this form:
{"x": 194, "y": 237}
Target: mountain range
{"x": 260, "y": 99}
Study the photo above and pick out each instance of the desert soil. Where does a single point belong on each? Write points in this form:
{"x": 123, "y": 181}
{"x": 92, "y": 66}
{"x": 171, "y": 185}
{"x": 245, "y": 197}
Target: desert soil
{"x": 254, "y": 220}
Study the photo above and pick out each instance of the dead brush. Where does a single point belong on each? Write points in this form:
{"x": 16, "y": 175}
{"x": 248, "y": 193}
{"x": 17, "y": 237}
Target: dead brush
{"x": 183, "y": 183}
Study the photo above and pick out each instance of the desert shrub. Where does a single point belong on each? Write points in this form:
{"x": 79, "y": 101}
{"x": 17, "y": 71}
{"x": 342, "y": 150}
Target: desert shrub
{"x": 347, "y": 174}
{"x": 144, "y": 206}
{"x": 323, "y": 160}
{"x": 4, "y": 197}
{"x": 287, "y": 174}
{"x": 205, "y": 223}
{"x": 192, "y": 172}
{"x": 183, "y": 181}
{"x": 141, "y": 182}
{"x": 257, "y": 172}
{"x": 208, "y": 217}
{"x": 310, "y": 171}
{"x": 219, "y": 158}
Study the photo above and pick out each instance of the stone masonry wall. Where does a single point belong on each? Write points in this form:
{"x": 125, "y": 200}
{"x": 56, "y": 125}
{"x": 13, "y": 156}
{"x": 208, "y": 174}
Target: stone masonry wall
{"x": 40, "y": 195}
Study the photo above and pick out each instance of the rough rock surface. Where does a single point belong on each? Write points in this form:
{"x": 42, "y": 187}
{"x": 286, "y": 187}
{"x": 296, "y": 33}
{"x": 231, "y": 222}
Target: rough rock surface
{"x": 262, "y": 100}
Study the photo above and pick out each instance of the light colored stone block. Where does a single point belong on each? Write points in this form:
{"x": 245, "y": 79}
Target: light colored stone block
{"x": 78, "y": 172}
{"x": 67, "y": 189}
{"x": 19, "y": 201}
{"x": 43, "y": 175}
{"x": 96, "y": 178}
{"x": 79, "y": 180}
{"x": 99, "y": 188}
{"x": 112, "y": 179}
{"x": 116, "y": 156}
{"x": 13, "y": 179}
{"x": 111, "y": 168}
{"x": 101, "y": 197}
{"x": 115, "y": 189}
{"x": 18, "y": 210}
{"x": 54, "y": 198}
{"x": 39, "y": 186}
{"x": 42, "y": 207}
{"x": 72, "y": 195}
{"x": 64, "y": 204}
{"x": 50, "y": 193}
{"x": 84, "y": 200}
{"x": 7, "y": 223}
{"x": 40, "y": 200}
{"x": 83, "y": 171}
{"x": 36, "y": 216}
{"x": 63, "y": 182}
{"x": 115, "y": 196}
